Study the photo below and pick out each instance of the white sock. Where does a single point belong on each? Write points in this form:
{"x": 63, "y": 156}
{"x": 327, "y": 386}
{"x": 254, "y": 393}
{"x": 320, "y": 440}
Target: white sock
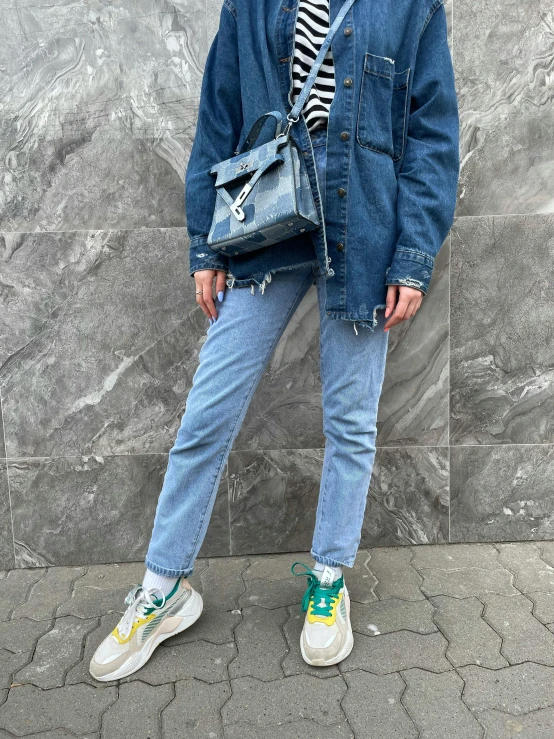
{"x": 326, "y": 573}
{"x": 152, "y": 580}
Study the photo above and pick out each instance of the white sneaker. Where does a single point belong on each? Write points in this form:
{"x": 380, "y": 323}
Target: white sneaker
{"x": 146, "y": 622}
{"x": 327, "y": 636}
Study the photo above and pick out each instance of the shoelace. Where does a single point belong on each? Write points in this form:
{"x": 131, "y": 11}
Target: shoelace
{"x": 137, "y": 607}
{"x": 324, "y": 597}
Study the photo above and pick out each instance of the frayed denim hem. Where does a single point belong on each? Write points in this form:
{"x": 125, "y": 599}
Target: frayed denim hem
{"x": 167, "y": 571}
{"x": 329, "y": 561}
{"x": 232, "y": 281}
{"x": 370, "y": 324}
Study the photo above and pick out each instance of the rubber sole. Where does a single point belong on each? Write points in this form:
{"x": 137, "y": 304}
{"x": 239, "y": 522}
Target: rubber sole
{"x": 191, "y": 612}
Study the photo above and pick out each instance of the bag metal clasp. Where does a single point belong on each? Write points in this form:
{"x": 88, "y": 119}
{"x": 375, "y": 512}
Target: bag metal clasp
{"x": 236, "y": 210}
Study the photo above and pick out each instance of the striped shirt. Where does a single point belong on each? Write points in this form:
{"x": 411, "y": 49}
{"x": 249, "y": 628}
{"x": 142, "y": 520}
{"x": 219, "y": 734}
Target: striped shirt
{"x": 311, "y": 28}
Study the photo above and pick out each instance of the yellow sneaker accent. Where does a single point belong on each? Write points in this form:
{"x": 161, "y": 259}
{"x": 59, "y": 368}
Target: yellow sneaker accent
{"x": 327, "y": 620}
{"x": 137, "y": 624}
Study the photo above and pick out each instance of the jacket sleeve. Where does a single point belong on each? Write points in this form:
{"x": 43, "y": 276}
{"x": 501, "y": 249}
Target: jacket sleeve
{"x": 218, "y": 129}
{"x": 428, "y": 175}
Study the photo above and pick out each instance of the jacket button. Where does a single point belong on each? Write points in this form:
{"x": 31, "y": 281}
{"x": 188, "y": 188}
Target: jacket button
{"x": 344, "y": 136}
{"x": 348, "y": 82}
{"x": 341, "y": 191}
{"x": 340, "y": 246}
{"x": 347, "y": 31}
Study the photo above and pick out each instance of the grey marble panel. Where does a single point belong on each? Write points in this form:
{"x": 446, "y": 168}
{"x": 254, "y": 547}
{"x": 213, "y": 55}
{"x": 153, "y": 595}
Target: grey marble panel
{"x": 413, "y": 408}
{"x": 100, "y": 113}
{"x": 2, "y": 444}
{"x": 502, "y": 493}
{"x": 502, "y": 347}
{"x": 285, "y": 411}
{"x": 503, "y": 58}
{"x": 10, "y": 31}
{"x": 93, "y": 174}
{"x": 99, "y": 334}
{"x": 213, "y": 10}
{"x": 408, "y": 500}
{"x": 273, "y": 498}
{"x": 136, "y": 50}
{"x": 93, "y": 510}
{"x": 6, "y": 537}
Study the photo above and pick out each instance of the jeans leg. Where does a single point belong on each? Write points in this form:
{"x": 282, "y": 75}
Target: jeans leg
{"x": 352, "y": 373}
{"x": 231, "y": 363}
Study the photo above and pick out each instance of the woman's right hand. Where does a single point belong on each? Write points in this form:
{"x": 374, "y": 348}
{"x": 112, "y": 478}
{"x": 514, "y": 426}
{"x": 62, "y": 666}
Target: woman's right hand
{"x": 204, "y": 279}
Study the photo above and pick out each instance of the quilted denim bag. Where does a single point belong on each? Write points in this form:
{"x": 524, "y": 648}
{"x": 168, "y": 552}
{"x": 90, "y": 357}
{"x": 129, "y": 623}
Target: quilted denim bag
{"x": 263, "y": 193}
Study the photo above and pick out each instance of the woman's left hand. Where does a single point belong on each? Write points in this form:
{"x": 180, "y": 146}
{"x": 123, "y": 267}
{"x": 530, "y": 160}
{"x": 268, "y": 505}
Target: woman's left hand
{"x": 406, "y": 303}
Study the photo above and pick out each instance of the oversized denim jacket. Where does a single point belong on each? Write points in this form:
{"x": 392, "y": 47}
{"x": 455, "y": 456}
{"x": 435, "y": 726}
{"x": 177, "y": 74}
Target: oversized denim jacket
{"x": 392, "y": 146}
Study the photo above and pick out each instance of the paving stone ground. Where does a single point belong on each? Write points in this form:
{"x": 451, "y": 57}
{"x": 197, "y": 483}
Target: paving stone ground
{"x": 453, "y": 641}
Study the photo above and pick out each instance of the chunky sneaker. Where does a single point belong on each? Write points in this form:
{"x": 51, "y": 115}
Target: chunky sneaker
{"x": 146, "y": 622}
{"x": 327, "y": 634}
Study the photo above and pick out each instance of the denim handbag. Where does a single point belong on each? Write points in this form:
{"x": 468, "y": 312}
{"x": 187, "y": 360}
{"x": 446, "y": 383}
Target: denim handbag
{"x": 263, "y": 193}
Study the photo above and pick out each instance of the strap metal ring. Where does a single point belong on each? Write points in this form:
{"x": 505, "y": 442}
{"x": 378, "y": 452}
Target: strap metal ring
{"x": 290, "y": 121}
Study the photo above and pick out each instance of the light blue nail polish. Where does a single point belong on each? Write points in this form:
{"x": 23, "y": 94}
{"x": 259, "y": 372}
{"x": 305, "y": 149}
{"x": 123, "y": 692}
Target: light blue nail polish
{"x": 220, "y": 296}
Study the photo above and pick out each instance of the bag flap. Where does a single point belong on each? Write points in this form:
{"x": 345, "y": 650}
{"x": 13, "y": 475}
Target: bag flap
{"x": 244, "y": 165}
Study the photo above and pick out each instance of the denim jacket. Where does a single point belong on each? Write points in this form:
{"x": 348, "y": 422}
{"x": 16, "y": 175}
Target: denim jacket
{"x": 392, "y": 146}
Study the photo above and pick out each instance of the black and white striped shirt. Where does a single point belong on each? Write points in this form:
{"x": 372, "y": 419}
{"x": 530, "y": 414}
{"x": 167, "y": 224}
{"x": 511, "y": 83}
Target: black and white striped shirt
{"x": 311, "y": 28}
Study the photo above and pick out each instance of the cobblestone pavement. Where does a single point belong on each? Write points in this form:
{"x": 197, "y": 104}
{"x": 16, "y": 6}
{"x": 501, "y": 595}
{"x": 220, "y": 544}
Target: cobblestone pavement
{"x": 455, "y": 640}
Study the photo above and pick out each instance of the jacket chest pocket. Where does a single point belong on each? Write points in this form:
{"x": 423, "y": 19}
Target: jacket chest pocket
{"x": 382, "y": 110}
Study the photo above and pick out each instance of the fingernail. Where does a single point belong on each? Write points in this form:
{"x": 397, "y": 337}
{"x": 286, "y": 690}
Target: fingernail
{"x": 220, "y": 296}
{"x": 212, "y": 320}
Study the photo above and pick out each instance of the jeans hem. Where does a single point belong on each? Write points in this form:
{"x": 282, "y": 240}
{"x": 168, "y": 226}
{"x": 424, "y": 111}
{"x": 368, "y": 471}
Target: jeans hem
{"x": 167, "y": 571}
{"x": 329, "y": 561}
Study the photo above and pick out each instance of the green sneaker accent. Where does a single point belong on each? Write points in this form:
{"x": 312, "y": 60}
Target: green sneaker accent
{"x": 323, "y": 598}
{"x": 158, "y": 601}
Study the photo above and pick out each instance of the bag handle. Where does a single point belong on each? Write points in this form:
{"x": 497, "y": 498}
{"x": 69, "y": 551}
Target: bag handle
{"x": 256, "y": 129}
{"x": 294, "y": 114}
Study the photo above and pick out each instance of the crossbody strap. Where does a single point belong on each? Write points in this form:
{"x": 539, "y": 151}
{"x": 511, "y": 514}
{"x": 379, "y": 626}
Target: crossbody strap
{"x": 294, "y": 114}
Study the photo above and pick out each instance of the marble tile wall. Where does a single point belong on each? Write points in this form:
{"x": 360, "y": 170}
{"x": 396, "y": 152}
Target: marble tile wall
{"x": 100, "y": 334}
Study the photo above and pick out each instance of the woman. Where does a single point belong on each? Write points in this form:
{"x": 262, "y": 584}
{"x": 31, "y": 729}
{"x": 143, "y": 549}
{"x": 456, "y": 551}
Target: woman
{"x": 379, "y": 135}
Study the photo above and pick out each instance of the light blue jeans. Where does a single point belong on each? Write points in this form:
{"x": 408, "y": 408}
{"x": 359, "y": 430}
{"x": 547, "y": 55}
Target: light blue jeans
{"x": 231, "y": 362}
